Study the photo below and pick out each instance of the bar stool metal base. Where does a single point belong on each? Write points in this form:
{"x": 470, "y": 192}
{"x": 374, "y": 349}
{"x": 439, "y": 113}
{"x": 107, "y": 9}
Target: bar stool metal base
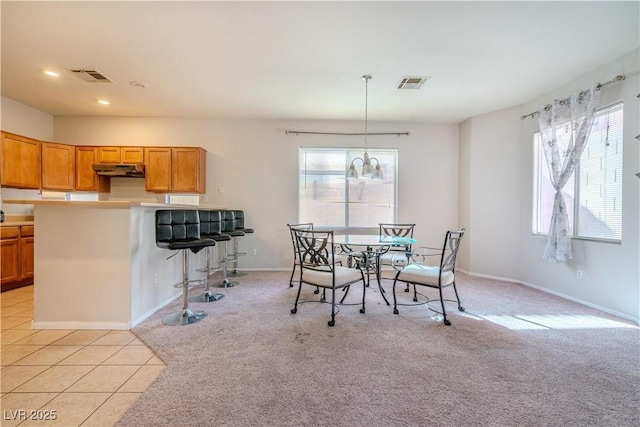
{"x": 184, "y": 317}
{"x": 226, "y": 283}
{"x": 206, "y": 296}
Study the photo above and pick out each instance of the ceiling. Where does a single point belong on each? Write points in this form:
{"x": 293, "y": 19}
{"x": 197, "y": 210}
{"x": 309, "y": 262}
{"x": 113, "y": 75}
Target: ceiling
{"x": 304, "y": 60}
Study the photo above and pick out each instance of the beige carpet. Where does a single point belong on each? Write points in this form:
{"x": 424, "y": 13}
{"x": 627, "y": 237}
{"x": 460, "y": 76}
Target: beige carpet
{"x": 253, "y": 363}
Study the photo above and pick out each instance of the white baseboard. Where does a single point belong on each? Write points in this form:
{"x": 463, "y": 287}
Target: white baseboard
{"x": 558, "y": 294}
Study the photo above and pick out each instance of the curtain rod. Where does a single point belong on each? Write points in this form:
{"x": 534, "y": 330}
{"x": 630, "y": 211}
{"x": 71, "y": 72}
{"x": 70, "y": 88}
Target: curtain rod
{"x": 598, "y": 86}
{"x": 298, "y": 132}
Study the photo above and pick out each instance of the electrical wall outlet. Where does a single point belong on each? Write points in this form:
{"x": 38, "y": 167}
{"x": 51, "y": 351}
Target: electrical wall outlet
{"x": 156, "y": 279}
{"x": 579, "y": 274}
{"x": 253, "y": 251}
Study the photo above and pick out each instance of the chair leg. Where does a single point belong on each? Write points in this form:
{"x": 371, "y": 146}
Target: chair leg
{"x": 395, "y": 301}
{"x": 444, "y": 312}
{"x": 186, "y": 316}
{"x": 292, "y": 273}
{"x": 332, "y": 322}
{"x": 295, "y": 305}
{"x": 415, "y": 293}
{"x": 364, "y": 294}
{"x": 460, "y": 307}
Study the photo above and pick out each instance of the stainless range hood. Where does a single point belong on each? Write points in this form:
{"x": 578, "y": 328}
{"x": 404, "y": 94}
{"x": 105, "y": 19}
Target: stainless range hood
{"x": 120, "y": 170}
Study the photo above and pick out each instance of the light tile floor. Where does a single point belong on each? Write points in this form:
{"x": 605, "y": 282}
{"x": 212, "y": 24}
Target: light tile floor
{"x": 67, "y": 377}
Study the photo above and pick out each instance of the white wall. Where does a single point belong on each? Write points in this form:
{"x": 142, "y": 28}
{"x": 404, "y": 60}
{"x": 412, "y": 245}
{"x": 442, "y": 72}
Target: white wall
{"x": 497, "y": 191}
{"x": 490, "y": 188}
{"x": 256, "y": 164}
{"x": 611, "y": 271}
{"x": 23, "y": 120}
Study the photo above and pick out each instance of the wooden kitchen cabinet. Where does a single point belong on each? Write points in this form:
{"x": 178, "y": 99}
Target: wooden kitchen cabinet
{"x": 58, "y": 166}
{"x": 122, "y": 155}
{"x": 157, "y": 169}
{"x": 188, "y": 166}
{"x": 175, "y": 169}
{"x": 16, "y": 256}
{"x": 86, "y": 178}
{"x": 21, "y": 160}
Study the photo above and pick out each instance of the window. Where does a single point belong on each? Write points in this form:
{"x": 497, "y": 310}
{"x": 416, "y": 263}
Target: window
{"x": 594, "y": 193}
{"x": 326, "y": 198}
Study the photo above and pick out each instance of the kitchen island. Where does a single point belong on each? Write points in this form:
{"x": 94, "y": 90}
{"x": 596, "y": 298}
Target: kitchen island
{"x": 97, "y": 265}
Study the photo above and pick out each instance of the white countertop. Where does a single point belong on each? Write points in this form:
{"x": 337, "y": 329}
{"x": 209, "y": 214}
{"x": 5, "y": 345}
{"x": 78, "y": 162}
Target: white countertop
{"x": 107, "y": 204}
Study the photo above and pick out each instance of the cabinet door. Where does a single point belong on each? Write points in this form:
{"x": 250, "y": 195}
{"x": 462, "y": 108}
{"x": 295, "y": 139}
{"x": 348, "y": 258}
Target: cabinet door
{"x": 26, "y": 255}
{"x": 58, "y": 166}
{"x": 109, "y": 154}
{"x": 187, "y": 170}
{"x": 132, "y": 155}
{"x": 157, "y": 164}
{"x": 86, "y": 178}
{"x": 21, "y": 159}
{"x": 10, "y": 255}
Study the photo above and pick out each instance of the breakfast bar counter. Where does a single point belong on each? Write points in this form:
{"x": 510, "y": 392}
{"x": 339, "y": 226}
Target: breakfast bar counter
{"x": 97, "y": 265}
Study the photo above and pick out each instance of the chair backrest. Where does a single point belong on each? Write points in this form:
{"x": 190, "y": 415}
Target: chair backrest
{"x": 210, "y": 222}
{"x": 228, "y": 221}
{"x": 399, "y": 230}
{"x": 299, "y": 226}
{"x": 450, "y": 250}
{"x": 239, "y": 217}
{"x": 177, "y": 225}
{"x": 315, "y": 249}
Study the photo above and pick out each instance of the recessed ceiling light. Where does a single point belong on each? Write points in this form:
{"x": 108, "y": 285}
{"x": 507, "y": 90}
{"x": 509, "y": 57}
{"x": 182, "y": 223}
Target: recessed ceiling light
{"x": 103, "y": 102}
{"x": 51, "y": 73}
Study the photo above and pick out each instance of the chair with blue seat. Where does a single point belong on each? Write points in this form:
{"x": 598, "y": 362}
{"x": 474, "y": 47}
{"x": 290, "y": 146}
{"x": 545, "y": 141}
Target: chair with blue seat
{"x": 419, "y": 271}
{"x": 179, "y": 230}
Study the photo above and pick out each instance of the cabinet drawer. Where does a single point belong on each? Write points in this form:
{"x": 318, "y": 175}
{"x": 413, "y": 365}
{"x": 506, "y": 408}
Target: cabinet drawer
{"x": 9, "y": 232}
{"x": 26, "y": 230}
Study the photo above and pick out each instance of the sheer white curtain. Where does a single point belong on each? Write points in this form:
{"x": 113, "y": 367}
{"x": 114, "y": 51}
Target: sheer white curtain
{"x": 564, "y": 128}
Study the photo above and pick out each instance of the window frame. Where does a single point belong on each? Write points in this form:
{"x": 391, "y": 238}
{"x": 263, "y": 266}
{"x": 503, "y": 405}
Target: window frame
{"x": 538, "y": 155}
{"x": 350, "y": 153}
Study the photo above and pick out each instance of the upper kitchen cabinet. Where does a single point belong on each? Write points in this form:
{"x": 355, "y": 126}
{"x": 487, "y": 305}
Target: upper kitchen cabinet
{"x": 21, "y": 160}
{"x": 124, "y": 155}
{"x": 58, "y": 166}
{"x": 86, "y": 178}
{"x": 175, "y": 169}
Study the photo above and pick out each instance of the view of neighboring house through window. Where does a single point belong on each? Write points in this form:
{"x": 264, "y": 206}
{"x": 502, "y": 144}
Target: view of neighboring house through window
{"x": 594, "y": 193}
{"x": 326, "y": 198}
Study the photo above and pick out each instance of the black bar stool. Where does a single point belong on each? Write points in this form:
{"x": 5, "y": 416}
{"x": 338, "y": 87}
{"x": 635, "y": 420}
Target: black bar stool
{"x": 179, "y": 230}
{"x": 227, "y": 228}
{"x": 210, "y": 228}
{"x": 238, "y": 216}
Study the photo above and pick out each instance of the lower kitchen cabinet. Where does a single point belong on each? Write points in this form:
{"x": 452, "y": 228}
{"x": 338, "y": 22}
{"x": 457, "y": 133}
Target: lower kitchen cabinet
{"x": 16, "y": 256}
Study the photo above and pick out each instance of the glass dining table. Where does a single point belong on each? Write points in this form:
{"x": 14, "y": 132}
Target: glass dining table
{"x": 367, "y": 249}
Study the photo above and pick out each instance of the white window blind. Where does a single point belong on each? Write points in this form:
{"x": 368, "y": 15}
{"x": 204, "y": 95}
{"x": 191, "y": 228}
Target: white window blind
{"x": 326, "y": 198}
{"x": 594, "y": 193}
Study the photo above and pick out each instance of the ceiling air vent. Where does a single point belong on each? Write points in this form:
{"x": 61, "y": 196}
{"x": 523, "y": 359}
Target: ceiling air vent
{"x": 91, "y": 76}
{"x": 412, "y": 82}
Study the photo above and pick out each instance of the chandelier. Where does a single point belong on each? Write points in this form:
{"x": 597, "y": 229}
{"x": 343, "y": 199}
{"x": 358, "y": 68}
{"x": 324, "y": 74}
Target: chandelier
{"x": 367, "y": 168}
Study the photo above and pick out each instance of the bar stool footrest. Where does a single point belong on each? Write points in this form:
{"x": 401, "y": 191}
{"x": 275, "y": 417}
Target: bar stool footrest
{"x": 196, "y": 282}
